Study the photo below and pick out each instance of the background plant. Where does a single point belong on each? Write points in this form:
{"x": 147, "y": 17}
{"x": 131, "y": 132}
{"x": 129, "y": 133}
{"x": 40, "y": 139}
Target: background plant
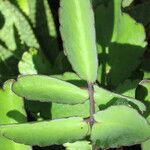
{"x": 30, "y": 43}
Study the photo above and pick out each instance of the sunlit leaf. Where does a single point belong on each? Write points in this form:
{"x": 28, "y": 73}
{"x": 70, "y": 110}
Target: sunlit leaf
{"x": 48, "y": 132}
{"x": 11, "y": 111}
{"x": 34, "y": 62}
{"x": 44, "y": 88}
{"x": 119, "y": 126}
{"x": 78, "y": 34}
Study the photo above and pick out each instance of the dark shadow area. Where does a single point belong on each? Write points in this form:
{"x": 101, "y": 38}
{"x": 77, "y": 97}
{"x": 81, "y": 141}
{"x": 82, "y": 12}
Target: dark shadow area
{"x": 79, "y": 83}
{"x": 55, "y": 147}
{"x": 41, "y": 64}
{"x": 17, "y": 116}
{"x": 123, "y": 59}
{"x": 136, "y": 147}
{"x": 61, "y": 64}
{"x": 141, "y": 92}
{"x": 55, "y": 8}
{"x": 104, "y": 23}
{"x": 2, "y": 20}
{"x": 48, "y": 43}
{"x": 38, "y": 109}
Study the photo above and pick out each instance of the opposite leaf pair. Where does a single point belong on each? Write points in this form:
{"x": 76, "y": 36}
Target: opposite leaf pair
{"x": 116, "y": 126}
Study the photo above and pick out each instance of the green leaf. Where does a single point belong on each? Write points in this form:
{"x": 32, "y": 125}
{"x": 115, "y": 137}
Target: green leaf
{"x": 25, "y": 31}
{"x": 126, "y": 3}
{"x": 47, "y": 132}
{"x": 118, "y": 36}
{"x": 78, "y": 34}
{"x": 34, "y": 62}
{"x": 44, "y": 88}
{"x": 23, "y": 5}
{"x": 143, "y": 93}
{"x": 105, "y": 98}
{"x": 11, "y": 105}
{"x": 145, "y": 145}
{"x": 11, "y": 111}
{"x": 64, "y": 110}
{"x": 119, "y": 126}
{"x": 79, "y": 145}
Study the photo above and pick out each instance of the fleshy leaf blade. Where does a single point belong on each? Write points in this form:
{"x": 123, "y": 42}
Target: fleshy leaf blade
{"x": 44, "y": 88}
{"x": 119, "y": 126}
{"x": 78, "y": 34}
{"x": 47, "y": 132}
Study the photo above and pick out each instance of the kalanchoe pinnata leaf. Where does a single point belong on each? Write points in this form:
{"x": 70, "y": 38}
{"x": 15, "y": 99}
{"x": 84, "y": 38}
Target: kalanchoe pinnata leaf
{"x": 105, "y": 98}
{"x": 145, "y": 145}
{"x": 28, "y": 8}
{"x": 143, "y": 93}
{"x": 25, "y": 31}
{"x": 23, "y": 5}
{"x": 66, "y": 110}
{"x": 78, "y": 35}
{"x": 126, "y": 3}
{"x": 11, "y": 111}
{"x": 34, "y": 62}
{"x": 119, "y": 126}
{"x": 44, "y": 88}
{"x": 47, "y": 132}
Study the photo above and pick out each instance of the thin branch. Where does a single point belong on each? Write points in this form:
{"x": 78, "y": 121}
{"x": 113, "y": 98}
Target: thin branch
{"x": 92, "y": 107}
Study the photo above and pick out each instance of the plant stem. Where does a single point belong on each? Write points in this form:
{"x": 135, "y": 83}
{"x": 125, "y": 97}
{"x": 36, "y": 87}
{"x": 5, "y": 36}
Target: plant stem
{"x": 92, "y": 107}
{"x": 92, "y": 103}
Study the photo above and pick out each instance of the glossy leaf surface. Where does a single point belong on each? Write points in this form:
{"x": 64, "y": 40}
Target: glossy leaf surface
{"x": 47, "y": 132}
{"x": 43, "y": 88}
{"x": 78, "y": 34}
{"x": 119, "y": 126}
